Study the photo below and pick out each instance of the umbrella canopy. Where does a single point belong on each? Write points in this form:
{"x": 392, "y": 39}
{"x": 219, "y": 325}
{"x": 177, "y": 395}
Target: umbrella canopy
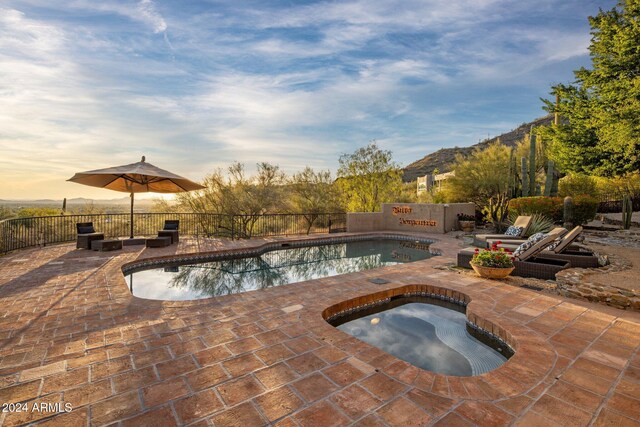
{"x": 140, "y": 177}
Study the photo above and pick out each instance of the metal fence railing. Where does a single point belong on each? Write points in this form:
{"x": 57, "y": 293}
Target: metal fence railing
{"x": 613, "y": 204}
{"x": 21, "y": 233}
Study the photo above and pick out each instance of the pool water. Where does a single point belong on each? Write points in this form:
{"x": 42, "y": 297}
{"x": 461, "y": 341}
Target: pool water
{"x": 432, "y": 336}
{"x": 273, "y": 268}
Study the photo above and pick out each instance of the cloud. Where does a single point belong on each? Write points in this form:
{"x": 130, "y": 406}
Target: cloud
{"x": 293, "y": 84}
{"x": 150, "y": 15}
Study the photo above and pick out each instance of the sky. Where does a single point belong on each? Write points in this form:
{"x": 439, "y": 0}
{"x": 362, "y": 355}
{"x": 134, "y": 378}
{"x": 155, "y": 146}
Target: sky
{"x": 196, "y": 85}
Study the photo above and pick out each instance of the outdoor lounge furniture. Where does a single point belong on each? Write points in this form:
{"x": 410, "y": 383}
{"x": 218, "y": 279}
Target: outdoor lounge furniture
{"x": 579, "y": 258}
{"x": 86, "y": 234}
{"x": 522, "y": 222}
{"x": 106, "y": 245}
{"x": 171, "y": 227}
{"x": 158, "y": 242}
{"x": 528, "y": 263}
{"x": 558, "y": 232}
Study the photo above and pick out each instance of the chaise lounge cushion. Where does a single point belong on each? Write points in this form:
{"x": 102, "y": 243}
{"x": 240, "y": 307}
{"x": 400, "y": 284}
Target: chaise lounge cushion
{"x": 522, "y": 222}
{"x": 535, "y": 238}
{"x": 568, "y": 239}
{"x": 513, "y": 231}
{"x": 558, "y": 232}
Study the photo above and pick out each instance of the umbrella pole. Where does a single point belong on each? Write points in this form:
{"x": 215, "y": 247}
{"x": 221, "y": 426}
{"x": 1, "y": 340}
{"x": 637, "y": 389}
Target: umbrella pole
{"x": 131, "y": 222}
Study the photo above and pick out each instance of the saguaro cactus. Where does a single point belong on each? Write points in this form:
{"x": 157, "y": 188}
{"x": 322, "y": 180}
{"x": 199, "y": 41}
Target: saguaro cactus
{"x": 511, "y": 192}
{"x": 568, "y": 212}
{"x": 532, "y": 163}
{"x": 524, "y": 180}
{"x": 549, "y": 183}
{"x": 627, "y": 211}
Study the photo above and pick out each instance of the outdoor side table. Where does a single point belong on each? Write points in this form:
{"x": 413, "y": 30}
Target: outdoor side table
{"x": 159, "y": 242}
{"x": 84, "y": 240}
{"x": 174, "y": 234}
{"x": 106, "y": 245}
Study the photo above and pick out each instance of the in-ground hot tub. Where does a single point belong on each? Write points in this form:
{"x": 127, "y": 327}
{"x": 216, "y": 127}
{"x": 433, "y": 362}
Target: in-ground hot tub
{"x": 428, "y": 330}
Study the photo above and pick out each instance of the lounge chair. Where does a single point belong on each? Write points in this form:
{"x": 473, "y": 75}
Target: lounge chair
{"x": 564, "y": 250}
{"x": 86, "y": 235}
{"x": 527, "y": 262}
{"x": 171, "y": 227}
{"x": 508, "y": 241}
{"x": 519, "y": 228}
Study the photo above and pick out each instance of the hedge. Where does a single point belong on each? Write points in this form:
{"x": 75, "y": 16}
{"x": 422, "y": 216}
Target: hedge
{"x": 584, "y": 208}
{"x": 551, "y": 207}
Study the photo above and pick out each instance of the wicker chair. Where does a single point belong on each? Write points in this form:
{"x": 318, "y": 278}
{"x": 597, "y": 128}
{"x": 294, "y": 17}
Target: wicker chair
{"x": 527, "y": 264}
{"x": 171, "y": 229}
{"x": 579, "y": 258}
{"x": 86, "y": 235}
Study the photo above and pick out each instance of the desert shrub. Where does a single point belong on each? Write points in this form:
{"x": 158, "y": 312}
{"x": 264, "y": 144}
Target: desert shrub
{"x": 576, "y": 184}
{"x": 584, "y": 208}
{"x": 37, "y": 212}
{"x": 550, "y": 207}
{"x": 617, "y": 187}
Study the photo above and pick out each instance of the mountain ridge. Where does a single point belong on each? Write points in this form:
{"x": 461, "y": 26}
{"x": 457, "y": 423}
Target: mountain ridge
{"x": 444, "y": 157}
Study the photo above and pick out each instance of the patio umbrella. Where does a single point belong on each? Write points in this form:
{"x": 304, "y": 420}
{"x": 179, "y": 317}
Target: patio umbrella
{"x": 140, "y": 177}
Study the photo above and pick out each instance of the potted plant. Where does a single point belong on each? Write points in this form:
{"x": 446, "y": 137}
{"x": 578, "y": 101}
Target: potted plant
{"x": 466, "y": 222}
{"x": 492, "y": 263}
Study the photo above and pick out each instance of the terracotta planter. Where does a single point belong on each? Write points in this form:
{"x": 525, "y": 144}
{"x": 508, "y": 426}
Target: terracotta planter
{"x": 467, "y": 225}
{"x": 492, "y": 272}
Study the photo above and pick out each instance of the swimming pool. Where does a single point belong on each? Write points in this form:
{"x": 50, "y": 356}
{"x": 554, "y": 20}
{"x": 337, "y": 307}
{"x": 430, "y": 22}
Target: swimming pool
{"x": 271, "y": 267}
{"x": 428, "y": 333}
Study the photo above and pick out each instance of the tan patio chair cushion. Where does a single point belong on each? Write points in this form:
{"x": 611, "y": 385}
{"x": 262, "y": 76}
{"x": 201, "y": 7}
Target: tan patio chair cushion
{"x": 530, "y": 250}
{"x": 523, "y": 221}
{"x": 568, "y": 239}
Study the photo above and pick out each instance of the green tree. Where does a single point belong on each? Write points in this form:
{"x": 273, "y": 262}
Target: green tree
{"x": 576, "y": 184}
{"x": 312, "y": 193}
{"x": 248, "y": 197}
{"x": 36, "y": 212}
{"x": 6, "y": 213}
{"x": 367, "y": 178}
{"x": 600, "y": 130}
{"x": 483, "y": 179}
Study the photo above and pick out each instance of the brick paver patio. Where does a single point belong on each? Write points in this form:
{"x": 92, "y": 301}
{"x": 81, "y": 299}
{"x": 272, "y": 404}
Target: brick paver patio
{"x": 71, "y": 333}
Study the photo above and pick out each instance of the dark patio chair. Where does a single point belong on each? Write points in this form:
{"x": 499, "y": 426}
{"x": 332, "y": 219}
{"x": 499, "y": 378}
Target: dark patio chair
{"x": 171, "y": 229}
{"x": 86, "y": 235}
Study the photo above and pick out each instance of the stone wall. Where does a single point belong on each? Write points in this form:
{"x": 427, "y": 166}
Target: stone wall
{"x": 364, "y": 221}
{"x": 422, "y": 217}
{"x": 571, "y": 283}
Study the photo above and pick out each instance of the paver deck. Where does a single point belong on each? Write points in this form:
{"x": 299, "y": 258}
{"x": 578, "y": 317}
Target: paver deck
{"x": 72, "y": 334}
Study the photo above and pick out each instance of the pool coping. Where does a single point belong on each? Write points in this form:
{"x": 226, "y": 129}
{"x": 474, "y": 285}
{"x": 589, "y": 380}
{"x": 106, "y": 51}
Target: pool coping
{"x": 255, "y": 249}
{"x": 263, "y": 248}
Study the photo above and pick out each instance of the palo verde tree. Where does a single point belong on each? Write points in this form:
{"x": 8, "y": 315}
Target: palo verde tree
{"x": 246, "y": 197}
{"x": 367, "y": 178}
{"x": 312, "y": 193}
{"x": 599, "y": 133}
{"x": 482, "y": 178}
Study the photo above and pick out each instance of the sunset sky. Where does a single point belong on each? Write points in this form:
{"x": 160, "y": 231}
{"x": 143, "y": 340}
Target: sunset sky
{"x": 195, "y": 85}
